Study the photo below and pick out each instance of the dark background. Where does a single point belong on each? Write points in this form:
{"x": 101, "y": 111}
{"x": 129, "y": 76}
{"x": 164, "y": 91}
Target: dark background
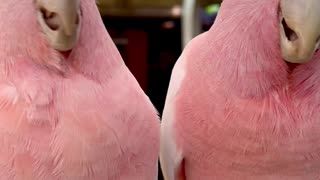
{"x": 150, "y": 46}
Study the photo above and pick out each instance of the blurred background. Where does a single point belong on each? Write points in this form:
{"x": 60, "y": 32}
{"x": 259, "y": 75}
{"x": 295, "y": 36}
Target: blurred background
{"x": 151, "y": 34}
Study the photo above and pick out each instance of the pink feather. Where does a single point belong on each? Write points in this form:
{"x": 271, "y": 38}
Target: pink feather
{"x": 80, "y": 118}
{"x": 240, "y": 113}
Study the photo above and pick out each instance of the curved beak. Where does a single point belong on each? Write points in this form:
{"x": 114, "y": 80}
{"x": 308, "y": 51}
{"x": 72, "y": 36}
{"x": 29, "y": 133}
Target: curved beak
{"x": 299, "y": 29}
{"x": 60, "y": 21}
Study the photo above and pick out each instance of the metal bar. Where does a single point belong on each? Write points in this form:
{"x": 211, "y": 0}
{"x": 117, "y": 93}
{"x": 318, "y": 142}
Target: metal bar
{"x": 191, "y": 24}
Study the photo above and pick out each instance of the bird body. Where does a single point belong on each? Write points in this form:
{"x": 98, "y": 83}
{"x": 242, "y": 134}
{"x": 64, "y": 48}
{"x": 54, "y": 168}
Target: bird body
{"x": 235, "y": 110}
{"x": 75, "y": 115}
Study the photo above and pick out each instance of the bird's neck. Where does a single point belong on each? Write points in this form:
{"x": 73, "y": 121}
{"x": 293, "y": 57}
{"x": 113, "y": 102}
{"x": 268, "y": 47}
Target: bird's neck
{"x": 248, "y": 55}
{"x": 251, "y": 65}
{"x": 95, "y": 56}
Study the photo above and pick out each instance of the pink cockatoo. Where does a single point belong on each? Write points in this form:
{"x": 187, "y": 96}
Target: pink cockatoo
{"x": 244, "y": 98}
{"x": 69, "y": 107}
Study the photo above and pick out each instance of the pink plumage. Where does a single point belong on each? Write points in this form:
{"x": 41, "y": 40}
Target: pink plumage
{"x": 234, "y": 110}
{"x": 80, "y": 118}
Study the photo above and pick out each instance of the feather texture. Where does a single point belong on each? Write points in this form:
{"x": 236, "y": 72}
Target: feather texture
{"x": 240, "y": 113}
{"x": 80, "y": 118}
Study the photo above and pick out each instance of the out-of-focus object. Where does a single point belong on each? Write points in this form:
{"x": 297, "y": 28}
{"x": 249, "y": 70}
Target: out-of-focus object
{"x": 208, "y": 16}
{"x": 140, "y": 8}
{"x": 187, "y": 10}
{"x": 145, "y": 8}
{"x": 191, "y": 17}
{"x": 212, "y": 8}
{"x": 191, "y": 25}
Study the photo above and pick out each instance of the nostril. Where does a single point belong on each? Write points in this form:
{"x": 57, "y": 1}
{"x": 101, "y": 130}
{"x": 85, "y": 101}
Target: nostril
{"x": 290, "y": 34}
{"x": 50, "y": 18}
